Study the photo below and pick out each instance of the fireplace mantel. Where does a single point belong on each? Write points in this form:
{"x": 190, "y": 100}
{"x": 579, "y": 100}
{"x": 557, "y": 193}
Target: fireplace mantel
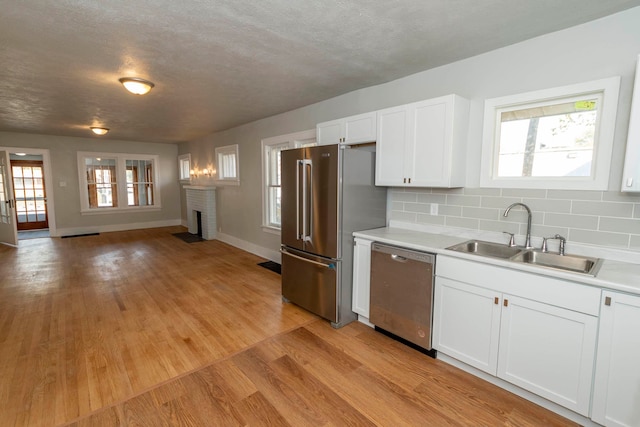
{"x": 199, "y": 187}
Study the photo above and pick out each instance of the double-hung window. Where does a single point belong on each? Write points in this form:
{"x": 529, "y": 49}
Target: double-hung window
{"x": 184, "y": 167}
{"x": 112, "y": 182}
{"x": 228, "y": 165}
{"x": 271, "y": 155}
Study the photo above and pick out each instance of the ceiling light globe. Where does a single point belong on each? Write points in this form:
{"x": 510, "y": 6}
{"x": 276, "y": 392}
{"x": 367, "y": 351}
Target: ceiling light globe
{"x": 136, "y": 85}
{"x": 99, "y": 130}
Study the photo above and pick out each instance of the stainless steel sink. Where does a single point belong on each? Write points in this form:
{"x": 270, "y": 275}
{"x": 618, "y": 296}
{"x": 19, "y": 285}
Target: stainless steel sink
{"x": 490, "y": 249}
{"x": 573, "y": 263}
{"x": 568, "y": 263}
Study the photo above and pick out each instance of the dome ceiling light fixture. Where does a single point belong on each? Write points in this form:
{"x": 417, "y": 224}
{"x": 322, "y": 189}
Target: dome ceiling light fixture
{"x": 136, "y": 85}
{"x": 99, "y": 130}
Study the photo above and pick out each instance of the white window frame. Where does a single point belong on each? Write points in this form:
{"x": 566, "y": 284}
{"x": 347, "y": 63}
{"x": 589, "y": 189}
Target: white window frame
{"x": 293, "y": 140}
{"x": 223, "y": 175}
{"x": 121, "y": 182}
{"x": 184, "y": 168}
{"x": 608, "y": 89}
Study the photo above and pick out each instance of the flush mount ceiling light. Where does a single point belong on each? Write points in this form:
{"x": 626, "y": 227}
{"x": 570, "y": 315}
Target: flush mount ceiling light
{"x": 136, "y": 85}
{"x": 98, "y": 130}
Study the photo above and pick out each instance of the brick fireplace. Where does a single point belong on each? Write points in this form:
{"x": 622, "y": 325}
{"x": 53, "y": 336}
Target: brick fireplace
{"x": 201, "y": 199}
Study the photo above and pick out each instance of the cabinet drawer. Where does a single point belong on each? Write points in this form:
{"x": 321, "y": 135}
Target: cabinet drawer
{"x": 561, "y": 293}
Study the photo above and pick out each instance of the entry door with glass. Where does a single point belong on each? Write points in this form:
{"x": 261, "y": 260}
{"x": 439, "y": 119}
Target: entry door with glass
{"x": 30, "y": 195}
{"x": 8, "y": 231}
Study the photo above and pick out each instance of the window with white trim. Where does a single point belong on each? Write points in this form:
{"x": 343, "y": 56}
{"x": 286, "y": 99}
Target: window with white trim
{"x": 114, "y": 182}
{"x": 271, "y": 150}
{"x": 559, "y": 138}
{"x": 228, "y": 165}
{"x": 184, "y": 167}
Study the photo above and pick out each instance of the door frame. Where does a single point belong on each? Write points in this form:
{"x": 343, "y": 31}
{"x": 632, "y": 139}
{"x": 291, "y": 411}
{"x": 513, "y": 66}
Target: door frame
{"x": 48, "y": 181}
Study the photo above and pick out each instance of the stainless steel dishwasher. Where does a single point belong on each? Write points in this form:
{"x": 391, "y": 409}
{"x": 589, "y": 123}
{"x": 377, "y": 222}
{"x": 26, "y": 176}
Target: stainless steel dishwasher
{"x": 401, "y": 300}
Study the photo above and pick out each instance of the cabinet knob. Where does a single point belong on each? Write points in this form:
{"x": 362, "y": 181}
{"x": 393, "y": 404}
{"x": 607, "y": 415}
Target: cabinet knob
{"x": 506, "y": 303}
{"x": 409, "y": 180}
{"x": 404, "y": 180}
{"x": 607, "y": 301}
{"x": 496, "y": 300}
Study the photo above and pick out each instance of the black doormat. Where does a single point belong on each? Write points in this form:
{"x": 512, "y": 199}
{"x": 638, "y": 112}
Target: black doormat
{"x": 270, "y": 265}
{"x": 188, "y": 237}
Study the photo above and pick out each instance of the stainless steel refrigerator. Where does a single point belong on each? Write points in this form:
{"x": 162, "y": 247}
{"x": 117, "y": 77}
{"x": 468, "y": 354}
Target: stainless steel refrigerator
{"x": 328, "y": 192}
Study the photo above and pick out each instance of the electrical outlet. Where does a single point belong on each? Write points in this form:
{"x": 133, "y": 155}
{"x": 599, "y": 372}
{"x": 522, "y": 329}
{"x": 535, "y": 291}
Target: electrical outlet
{"x": 434, "y": 209}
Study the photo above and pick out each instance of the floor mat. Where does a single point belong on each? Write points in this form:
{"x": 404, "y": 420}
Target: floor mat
{"x": 270, "y": 265}
{"x": 188, "y": 237}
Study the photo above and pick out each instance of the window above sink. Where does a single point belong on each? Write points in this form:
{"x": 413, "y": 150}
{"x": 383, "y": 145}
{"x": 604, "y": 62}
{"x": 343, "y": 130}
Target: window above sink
{"x": 558, "y": 138}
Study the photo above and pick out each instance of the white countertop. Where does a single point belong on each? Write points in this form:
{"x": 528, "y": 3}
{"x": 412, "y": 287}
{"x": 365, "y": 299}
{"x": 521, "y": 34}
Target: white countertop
{"x": 614, "y": 275}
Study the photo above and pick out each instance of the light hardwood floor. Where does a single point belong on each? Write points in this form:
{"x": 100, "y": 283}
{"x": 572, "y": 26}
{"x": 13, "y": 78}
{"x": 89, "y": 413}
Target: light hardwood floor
{"x": 140, "y": 328}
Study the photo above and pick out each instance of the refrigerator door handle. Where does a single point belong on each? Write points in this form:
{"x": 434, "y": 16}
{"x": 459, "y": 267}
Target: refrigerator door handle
{"x": 309, "y": 217}
{"x": 322, "y": 264}
{"x": 298, "y": 165}
{"x": 306, "y": 200}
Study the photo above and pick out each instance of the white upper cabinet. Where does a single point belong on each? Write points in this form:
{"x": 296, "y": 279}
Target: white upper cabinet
{"x": 631, "y": 172}
{"x": 423, "y": 144}
{"x": 349, "y": 130}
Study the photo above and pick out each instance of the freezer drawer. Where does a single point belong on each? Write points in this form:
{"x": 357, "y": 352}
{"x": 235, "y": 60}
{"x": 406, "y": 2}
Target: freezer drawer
{"x": 311, "y": 282}
{"x": 401, "y": 299}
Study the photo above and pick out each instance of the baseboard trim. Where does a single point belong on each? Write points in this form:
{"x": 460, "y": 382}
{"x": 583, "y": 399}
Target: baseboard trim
{"x": 71, "y": 231}
{"x": 261, "y": 251}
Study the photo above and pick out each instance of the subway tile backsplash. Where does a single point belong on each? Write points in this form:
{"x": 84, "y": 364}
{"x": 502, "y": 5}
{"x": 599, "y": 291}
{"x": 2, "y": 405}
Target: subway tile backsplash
{"x": 603, "y": 218}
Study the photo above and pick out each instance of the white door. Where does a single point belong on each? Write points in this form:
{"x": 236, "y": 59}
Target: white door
{"x": 8, "y": 227}
{"x": 466, "y": 323}
{"x": 616, "y": 390}
{"x": 548, "y": 350}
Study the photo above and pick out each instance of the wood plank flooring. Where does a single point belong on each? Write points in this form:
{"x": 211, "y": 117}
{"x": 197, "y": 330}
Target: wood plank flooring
{"x": 141, "y": 329}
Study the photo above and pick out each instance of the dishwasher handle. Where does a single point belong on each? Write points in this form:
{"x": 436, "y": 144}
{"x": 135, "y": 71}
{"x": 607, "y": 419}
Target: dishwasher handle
{"x": 403, "y": 254}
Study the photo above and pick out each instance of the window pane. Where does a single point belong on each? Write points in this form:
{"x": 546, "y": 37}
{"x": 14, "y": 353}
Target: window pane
{"x": 548, "y": 141}
{"x": 275, "y": 203}
{"x": 139, "y": 176}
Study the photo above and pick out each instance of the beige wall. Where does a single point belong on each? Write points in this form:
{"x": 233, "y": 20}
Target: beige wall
{"x": 64, "y": 169}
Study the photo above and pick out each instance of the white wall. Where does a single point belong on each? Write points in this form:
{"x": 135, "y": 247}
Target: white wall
{"x": 63, "y": 154}
{"x": 599, "y": 49}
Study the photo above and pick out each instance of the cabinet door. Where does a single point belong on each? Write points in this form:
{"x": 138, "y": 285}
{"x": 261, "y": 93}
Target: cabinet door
{"x": 467, "y": 323}
{"x": 616, "y": 393}
{"x": 360, "y": 128}
{"x": 329, "y": 133}
{"x": 428, "y": 149}
{"x": 548, "y": 350}
{"x": 390, "y": 146}
{"x": 631, "y": 171}
{"x": 361, "y": 277}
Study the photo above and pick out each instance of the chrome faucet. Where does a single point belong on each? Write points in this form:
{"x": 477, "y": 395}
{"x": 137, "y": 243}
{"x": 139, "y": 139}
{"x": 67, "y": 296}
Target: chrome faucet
{"x": 527, "y": 243}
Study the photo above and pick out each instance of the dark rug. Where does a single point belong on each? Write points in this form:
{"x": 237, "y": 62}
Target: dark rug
{"x": 188, "y": 237}
{"x": 270, "y": 265}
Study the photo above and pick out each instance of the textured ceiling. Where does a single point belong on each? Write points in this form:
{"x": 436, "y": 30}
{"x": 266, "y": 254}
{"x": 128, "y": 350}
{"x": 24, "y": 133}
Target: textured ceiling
{"x": 218, "y": 64}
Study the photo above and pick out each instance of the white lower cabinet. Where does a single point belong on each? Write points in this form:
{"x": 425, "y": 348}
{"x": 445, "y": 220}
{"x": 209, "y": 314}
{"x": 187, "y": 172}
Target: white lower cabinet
{"x": 616, "y": 394}
{"x": 361, "y": 276}
{"x": 548, "y": 351}
{"x": 521, "y": 327}
{"x": 466, "y": 323}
